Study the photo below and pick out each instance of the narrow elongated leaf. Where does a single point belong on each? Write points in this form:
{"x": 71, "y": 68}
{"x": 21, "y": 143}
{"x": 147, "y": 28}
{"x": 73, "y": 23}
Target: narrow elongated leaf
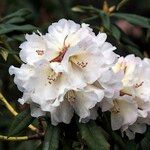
{"x": 93, "y": 136}
{"x": 15, "y": 20}
{"x": 145, "y": 142}
{"x": 104, "y": 16}
{"x": 122, "y": 3}
{"x": 131, "y": 47}
{"x": 105, "y": 19}
{"x": 6, "y": 28}
{"x": 51, "y": 141}
{"x": 127, "y": 40}
{"x": 134, "y": 50}
{"x": 4, "y": 54}
{"x": 115, "y": 32}
{"x": 134, "y": 19}
{"x": 90, "y": 18}
{"x": 21, "y": 122}
{"x": 19, "y": 13}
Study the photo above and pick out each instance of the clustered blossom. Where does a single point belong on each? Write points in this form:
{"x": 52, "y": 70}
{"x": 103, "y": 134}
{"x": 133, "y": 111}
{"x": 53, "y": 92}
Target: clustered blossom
{"x": 130, "y": 111}
{"x": 71, "y": 70}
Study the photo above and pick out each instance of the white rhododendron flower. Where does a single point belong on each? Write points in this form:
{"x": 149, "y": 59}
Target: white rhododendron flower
{"x": 111, "y": 83}
{"x": 132, "y": 106}
{"x": 67, "y": 70}
{"x": 123, "y": 110}
{"x": 137, "y": 127}
{"x": 81, "y": 102}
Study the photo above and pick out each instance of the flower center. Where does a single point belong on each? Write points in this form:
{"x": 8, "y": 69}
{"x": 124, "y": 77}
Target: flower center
{"x": 138, "y": 85}
{"x": 80, "y": 63}
{"x": 62, "y": 52}
{"x": 40, "y": 52}
{"x": 70, "y": 96}
{"x": 116, "y": 108}
{"x": 52, "y": 77}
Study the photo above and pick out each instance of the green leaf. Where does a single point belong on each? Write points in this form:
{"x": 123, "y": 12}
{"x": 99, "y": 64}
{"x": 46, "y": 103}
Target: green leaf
{"x": 15, "y": 20}
{"x": 77, "y": 9}
{"x": 131, "y": 47}
{"x": 93, "y": 136}
{"x": 4, "y": 54}
{"x": 105, "y": 19}
{"x": 21, "y": 122}
{"x": 134, "y": 50}
{"x": 104, "y": 16}
{"x": 115, "y": 32}
{"x": 19, "y": 13}
{"x": 131, "y": 145}
{"x": 145, "y": 142}
{"x": 122, "y": 3}
{"x": 51, "y": 141}
{"x": 134, "y": 19}
{"x": 90, "y": 18}
{"x": 6, "y": 28}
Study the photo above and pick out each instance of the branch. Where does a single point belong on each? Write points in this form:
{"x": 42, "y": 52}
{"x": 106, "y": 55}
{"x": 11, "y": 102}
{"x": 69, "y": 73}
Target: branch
{"x": 22, "y": 138}
{"x": 12, "y": 110}
{"x": 6, "y": 138}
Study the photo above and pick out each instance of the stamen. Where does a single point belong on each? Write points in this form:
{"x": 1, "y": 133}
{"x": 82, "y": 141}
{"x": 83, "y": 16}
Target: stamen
{"x": 76, "y": 61}
{"x": 116, "y": 108}
{"x": 124, "y": 93}
{"x": 70, "y": 96}
{"x": 138, "y": 85}
{"x": 82, "y": 64}
{"x": 52, "y": 77}
{"x": 40, "y": 52}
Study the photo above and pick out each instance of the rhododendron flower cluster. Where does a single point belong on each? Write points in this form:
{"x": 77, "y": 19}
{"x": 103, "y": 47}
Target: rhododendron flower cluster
{"x": 130, "y": 111}
{"x": 71, "y": 70}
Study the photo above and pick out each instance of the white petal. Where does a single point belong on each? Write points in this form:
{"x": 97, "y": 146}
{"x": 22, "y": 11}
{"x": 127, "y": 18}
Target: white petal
{"x": 93, "y": 115}
{"x": 87, "y": 60}
{"x": 22, "y": 75}
{"x": 62, "y": 113}
{"x": 86, "y": 100}
{"x": 33, "y": 49}
{"x": 36, "y": 110}
{"x": 116, "y": 121}
{"x": 101, "y": 38}
{"x": 126, "y": 113}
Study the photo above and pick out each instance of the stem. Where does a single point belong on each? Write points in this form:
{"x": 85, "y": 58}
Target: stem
{"x": 12, "y": 110}
{"x": 21, "y": 138}
{"x": 6, "y": 138}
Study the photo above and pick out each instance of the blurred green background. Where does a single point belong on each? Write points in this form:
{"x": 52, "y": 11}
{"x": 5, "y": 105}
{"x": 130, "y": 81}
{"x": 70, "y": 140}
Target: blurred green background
{"x": 43, "y": 13}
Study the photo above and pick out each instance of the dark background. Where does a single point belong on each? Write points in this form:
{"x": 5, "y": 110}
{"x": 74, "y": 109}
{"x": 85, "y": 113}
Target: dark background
{"x": 45, "y": 12}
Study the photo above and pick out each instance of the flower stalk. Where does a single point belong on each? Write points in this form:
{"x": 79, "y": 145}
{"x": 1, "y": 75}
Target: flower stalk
{"x": 13, "y": 111}
{"x": 21, "y": 138}
{"x": 6, "y": 138}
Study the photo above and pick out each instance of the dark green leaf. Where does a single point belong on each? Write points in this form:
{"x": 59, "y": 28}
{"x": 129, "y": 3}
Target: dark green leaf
{"x": 131, "y": 145}
{"x": 4, "y": 54}
{"x": 15, "y": 20}
{"x": 90, "y": 18}
{"x": 115, "y": 32}
{"x": 145, "y": 142}
{"x": 21, "y": 122}
{"x": 6, "y": 28}
{"x": 134, "y": 50}
{"x": 105, "y": 19}
{"x": 19, "y": 13}
{"x": 93, "y": 136}
{"x": 51, "y": 141}
{"x": 104, "y": 16}
{"x": 134, "y": 19}
{"x": 127, "y": 40}
{"x": 77, "y": 9}
{"x": 122, "y": 3}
